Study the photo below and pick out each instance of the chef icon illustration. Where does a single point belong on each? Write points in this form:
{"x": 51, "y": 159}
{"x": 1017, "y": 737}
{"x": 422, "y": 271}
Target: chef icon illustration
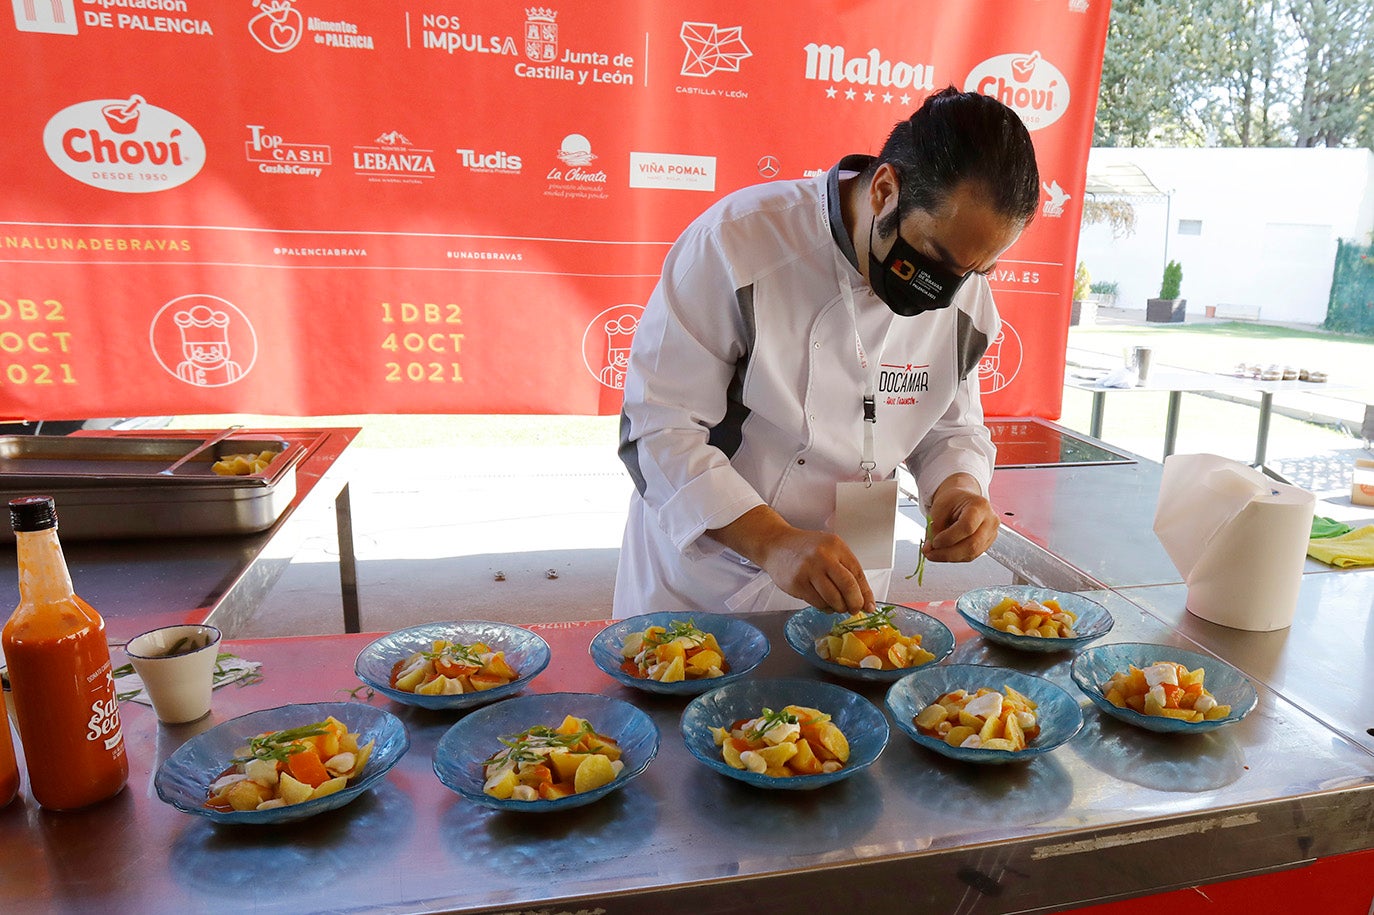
{"x": 990, "y": 370}
{"x": 205, "y": 348}
{"x": 620, "y": 333}
{"x": 1001, "y": 364}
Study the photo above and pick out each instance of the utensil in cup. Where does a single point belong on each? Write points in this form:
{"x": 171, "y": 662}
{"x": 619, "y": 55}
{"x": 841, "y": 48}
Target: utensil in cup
{"x": 208, "y": 443}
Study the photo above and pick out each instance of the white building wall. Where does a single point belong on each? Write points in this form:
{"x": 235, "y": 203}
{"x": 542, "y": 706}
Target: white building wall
{"x": 1270, "y": 219}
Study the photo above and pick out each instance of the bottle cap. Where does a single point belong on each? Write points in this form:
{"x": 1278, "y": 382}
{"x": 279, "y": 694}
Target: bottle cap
{"x": 33, "y": 513}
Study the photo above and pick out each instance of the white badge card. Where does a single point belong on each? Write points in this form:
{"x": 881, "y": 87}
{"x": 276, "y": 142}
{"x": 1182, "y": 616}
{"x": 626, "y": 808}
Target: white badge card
{"x": 866, "y": 520}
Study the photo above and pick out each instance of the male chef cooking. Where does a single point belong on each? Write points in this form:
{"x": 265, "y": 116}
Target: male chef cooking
{"x": 804, "y": 339}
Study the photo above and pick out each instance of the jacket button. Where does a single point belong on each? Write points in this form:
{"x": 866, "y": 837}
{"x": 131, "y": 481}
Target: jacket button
{"x": 801, "y": 460}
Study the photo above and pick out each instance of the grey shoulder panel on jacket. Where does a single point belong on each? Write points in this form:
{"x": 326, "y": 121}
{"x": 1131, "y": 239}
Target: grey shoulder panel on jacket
{"x": 970, "y": 344}
{"x": 728, "y": 434}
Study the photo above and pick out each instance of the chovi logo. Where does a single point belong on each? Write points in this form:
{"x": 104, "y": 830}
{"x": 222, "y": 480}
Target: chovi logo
{"x": 1027, "y": 83}
{"x": 124, "y": 145}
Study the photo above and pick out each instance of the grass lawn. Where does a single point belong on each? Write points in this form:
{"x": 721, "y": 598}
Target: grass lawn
{"x": 1220, "y": 346}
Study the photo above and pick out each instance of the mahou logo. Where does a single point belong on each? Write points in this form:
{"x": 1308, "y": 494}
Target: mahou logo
{"x": 124, "y": 145}
{"x": 1027, "y": 83}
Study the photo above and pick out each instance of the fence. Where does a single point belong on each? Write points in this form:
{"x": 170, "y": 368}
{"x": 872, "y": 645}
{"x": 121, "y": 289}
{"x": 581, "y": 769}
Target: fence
{"x": 1351, "y": 306}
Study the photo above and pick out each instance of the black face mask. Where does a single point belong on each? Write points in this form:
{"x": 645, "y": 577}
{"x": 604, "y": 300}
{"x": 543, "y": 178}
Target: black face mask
{"x": 907, "y": 281}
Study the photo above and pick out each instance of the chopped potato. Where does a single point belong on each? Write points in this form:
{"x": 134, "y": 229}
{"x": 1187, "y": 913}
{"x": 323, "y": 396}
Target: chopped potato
{"x": 983, "y": 719}
{"x": 242, "y": 465}
{"x": 286, "y": 767}
{"x": 550, "y": 763}
{"x": 872, "y": 640}
{"x": 1038, "y": 619}
{"x": 1165, "y": 689}
{"x": 451, "y": 668}
{"x": 795, "y": 741}
{"x": 680, "y": 651}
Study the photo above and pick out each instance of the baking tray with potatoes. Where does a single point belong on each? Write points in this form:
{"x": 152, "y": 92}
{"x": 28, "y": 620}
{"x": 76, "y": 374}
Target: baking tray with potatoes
{"x": 108, "y": 486}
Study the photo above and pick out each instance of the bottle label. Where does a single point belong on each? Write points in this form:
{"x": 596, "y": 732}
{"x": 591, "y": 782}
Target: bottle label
{"x": 103, "y": 724}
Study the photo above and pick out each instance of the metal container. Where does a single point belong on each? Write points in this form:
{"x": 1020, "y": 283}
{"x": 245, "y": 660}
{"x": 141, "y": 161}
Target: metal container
{"x": 110, "y": 486}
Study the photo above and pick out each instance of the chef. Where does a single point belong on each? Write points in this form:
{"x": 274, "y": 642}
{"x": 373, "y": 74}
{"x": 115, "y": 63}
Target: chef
{"x": 805, "y": 338}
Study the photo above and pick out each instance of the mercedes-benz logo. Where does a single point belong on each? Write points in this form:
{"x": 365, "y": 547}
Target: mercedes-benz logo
{"x": 769, "y": 166}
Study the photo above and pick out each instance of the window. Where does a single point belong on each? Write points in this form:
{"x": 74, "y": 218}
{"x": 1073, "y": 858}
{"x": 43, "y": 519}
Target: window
{"x": 1190, "y": 227}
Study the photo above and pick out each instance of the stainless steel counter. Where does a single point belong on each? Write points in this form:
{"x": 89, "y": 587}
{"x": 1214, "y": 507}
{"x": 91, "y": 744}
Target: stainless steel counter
{"x": 1116, "y": 811}
{"x": 1082, "y": 526}
{"x": 138, "y": 584}
{"x": 1324, "y": 662}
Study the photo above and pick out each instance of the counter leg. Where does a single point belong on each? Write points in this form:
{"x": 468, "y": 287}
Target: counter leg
{"x": 348, "y": 561}
{"x": 1262, "y": 441}
{"x": 1099, "y": 407}
{"x": 1171, "y": 422}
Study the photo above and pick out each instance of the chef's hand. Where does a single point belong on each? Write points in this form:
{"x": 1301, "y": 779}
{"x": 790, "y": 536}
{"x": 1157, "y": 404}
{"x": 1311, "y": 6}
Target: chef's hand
{"x": 814, "y": 566}
{"x": 962, "y": 522}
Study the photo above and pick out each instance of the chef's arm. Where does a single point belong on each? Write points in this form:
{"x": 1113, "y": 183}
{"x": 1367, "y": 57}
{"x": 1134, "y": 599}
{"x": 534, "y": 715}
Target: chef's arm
{"x": 690, "y": 344}
{"x": 953, "y": 469}
{"x": 814, "y": 566}
{"x": 962, "y": 522}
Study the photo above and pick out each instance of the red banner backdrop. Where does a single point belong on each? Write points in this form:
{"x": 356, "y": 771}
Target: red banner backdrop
{"x": 433, "y": 206}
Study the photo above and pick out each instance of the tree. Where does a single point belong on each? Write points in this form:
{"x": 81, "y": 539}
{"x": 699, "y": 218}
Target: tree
{"x": 1240, "y": 70}
{"x": 1145, "y": 52}
{"x": 1238, "y": 73}
{"x": 1336, "y": 78}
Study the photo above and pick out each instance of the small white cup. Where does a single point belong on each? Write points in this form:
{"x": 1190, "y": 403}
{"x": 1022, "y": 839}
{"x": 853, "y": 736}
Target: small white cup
{"x": 177, "y": 667}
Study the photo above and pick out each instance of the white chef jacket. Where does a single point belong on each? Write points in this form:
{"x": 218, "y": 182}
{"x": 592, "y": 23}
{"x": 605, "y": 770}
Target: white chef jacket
{"x": 746, "y": 383}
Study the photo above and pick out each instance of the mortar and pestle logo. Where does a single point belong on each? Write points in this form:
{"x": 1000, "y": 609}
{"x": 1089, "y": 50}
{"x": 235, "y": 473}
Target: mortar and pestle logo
{"x": 1023, "y": 68}
{"x": 123, "y": 116}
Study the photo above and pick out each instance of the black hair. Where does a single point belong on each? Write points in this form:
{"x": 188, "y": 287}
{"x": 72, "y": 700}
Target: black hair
{"x": 956, "y": 137}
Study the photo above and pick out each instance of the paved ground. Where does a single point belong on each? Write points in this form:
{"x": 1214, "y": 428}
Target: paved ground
{"x": 532, "y": 535}
{"x": 518, "y": 534}
{"x": 522, "y": 526}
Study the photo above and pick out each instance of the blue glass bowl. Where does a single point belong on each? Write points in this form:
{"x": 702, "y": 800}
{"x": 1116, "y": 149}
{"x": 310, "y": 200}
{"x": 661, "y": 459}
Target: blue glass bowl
{"x": 465, "y": 747}
{"x": 1094, "y": 621}
{"x": 526, "y": 652}
{"x": 809, "y": 624}
{"x": 741, "y": 642}
{"x": 1058, "y": 711}
{"x": 184, "y": 779}
{"x": 1227, "y": 685}
{"x": 862, "y": 722}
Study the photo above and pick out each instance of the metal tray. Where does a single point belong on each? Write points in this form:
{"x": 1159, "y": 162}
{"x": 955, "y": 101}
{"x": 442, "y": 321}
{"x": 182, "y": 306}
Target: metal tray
{"x": 108, "y": 487}
{"x": 105, "y": 458}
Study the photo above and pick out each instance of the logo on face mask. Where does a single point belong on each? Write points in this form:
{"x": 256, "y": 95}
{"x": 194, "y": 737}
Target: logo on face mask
{"x": 905, "y": 270}
{"x": 907, "y": 281}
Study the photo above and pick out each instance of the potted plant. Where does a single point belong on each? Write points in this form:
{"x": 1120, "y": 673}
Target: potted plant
{"x": 1168, "y": 308}
{"x": 1103, "y": 292}
{"x": 1083, "y": 310}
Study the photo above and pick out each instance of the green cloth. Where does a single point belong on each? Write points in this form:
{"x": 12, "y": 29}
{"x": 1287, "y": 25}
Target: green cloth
{"x": 1346, "y": 551}
{"x": 1328, "y": 527}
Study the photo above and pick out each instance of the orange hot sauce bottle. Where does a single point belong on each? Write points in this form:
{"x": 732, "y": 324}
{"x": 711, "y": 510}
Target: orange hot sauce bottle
{"x": 60, "y": 673}
{"x": 9, "y": 766}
